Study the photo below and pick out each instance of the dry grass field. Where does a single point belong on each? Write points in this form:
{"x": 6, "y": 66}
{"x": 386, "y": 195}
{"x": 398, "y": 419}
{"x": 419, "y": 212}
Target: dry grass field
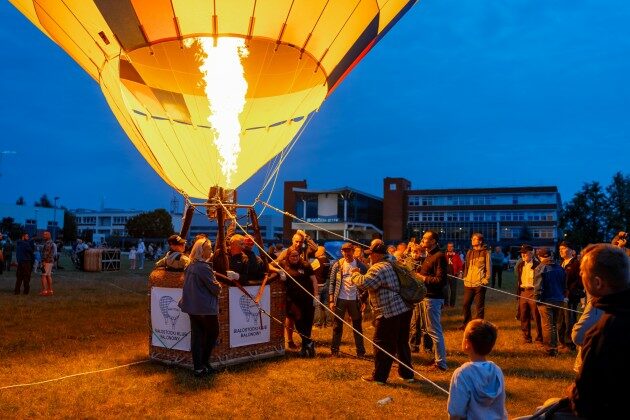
{"x": 99, "y": 320}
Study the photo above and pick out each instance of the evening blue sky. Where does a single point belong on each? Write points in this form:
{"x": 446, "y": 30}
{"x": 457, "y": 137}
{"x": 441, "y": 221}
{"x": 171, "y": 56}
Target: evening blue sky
{"x": 460, "y": 93}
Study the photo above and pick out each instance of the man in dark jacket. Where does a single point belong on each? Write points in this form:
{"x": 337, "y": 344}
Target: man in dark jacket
{"x": 600, "y": 389}
{"x": 527, "y": 308}
{"x": 550, "y": 289}
{"x": 25, "y": 251}
{"x": 433, "y": 273}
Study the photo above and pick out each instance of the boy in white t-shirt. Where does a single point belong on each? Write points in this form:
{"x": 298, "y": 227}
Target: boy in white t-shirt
{"x": 132, "y": 258}
{"x": 477, "y": 387}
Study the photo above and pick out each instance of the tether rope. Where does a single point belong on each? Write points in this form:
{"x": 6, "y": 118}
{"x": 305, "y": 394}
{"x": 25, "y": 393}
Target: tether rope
{"x": 73, "y": 375}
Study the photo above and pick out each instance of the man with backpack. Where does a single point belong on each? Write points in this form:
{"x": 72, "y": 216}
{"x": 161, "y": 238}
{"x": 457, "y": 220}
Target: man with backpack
{"x": 433, "y": 273}
{"x": 392, "y": 315}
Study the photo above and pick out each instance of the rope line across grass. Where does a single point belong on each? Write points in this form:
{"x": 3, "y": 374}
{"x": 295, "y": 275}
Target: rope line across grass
{"x": 73, "y": 375}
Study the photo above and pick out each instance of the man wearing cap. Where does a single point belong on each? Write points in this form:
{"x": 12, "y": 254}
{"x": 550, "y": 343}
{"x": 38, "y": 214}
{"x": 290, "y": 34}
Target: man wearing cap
{"x": 174, "y": 260}
{"x": 527, "y": 307}
{"x": 575, "y": 289}
{"x": 392, "y": 315}
{"x": 550, "y": 288}
{"x": 343, "y": 298}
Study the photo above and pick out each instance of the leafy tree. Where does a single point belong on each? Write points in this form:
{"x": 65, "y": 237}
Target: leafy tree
{"x": 12, "y": 229}
{"x": 6, "y": 224}
{"x": 618, "y": 205}
{"x": 584, "y": 217}
{"x": 20, "y": 201}
{"x": 153, "y": 224}
{"x": 69, "y": 231}
{"x": 44, "y": 201}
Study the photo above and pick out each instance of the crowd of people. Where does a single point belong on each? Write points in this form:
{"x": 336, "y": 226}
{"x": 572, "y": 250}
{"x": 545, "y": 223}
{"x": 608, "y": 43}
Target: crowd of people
{"x": 549, "y": 295}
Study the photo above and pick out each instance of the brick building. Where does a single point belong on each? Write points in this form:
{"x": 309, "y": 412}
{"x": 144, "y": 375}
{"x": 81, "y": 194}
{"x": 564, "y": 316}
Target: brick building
{"x": 507, "y": 216}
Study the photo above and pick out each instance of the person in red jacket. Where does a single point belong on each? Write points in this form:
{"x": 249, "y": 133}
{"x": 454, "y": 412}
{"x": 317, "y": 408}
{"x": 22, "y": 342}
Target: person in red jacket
{"x": 455, "y": 269}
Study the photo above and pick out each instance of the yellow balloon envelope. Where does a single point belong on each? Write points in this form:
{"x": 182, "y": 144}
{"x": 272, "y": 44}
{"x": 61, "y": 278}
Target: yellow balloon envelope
{"x": 298, "y": 52}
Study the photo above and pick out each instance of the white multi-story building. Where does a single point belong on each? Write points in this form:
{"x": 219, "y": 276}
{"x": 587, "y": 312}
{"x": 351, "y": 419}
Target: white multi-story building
{"x": 111, "y": 222}
{"x": 106, "y": 222}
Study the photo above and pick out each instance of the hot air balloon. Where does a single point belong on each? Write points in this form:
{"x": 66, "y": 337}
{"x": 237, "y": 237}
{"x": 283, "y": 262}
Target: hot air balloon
{"x": 159, "y": 63}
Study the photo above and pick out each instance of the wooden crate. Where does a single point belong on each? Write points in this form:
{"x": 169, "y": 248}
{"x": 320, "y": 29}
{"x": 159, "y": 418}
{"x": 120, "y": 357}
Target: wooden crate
{"x": 223, "y": 354}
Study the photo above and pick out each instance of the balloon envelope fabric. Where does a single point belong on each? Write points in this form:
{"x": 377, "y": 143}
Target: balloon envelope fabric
{"x": 140, "y": 53}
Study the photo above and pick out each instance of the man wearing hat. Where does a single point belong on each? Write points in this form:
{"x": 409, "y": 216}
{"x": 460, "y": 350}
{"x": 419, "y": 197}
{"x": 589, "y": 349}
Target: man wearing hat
{"x": 343, "y": 297}
{"x": 174, "y": 260}
{"x": 392, "y": 315}
{"x": 550, "y": 288}
{"x": 527, "y": 307}
{"x": 571, "y": 267}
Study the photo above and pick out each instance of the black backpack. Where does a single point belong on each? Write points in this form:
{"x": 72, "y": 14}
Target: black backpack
{"x": 412, "y": 289}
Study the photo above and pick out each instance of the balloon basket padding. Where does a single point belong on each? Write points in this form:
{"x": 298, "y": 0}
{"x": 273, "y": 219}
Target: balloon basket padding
{"x": 101, "y": 259}
{"x": 222, "y": 355}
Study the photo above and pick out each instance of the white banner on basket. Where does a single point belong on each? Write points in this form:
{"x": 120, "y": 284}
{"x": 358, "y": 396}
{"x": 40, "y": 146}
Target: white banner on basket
{"x": 171, "y": 326}
{"x": 245, "y": 320}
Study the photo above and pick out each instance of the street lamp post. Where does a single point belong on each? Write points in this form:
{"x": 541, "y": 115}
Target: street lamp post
{"x": 55, "y": 224}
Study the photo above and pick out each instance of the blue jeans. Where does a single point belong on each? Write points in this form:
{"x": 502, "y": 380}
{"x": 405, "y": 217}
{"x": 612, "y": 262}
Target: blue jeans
{"x": 433, "y": 309}
{"x": 549, "y": 317}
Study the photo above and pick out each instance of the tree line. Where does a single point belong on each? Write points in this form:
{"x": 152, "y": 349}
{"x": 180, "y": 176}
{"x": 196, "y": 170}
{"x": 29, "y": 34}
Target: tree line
{"x": 597, "y": 213}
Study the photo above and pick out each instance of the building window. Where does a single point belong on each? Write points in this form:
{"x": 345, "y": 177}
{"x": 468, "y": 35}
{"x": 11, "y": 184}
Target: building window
{"x": 543, "y": 233}
{"x": 414, "y": 200}
{"x": 392, "y": 187}
{"x": 414, "y": 216}
{"x": 427, "y": 201}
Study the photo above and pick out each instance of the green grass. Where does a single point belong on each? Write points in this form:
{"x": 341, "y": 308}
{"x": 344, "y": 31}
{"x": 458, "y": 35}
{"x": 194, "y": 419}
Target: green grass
{"x": 100, "y": 320}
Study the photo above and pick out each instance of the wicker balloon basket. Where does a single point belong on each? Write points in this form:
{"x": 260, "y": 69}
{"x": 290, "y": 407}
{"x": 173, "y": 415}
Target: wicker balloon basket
{"x": 231, "y": 348}
{"x": 101, "y": 259}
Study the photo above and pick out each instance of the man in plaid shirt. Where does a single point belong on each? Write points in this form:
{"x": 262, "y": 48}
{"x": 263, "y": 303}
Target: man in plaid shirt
{"x": 393, "y": 315}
